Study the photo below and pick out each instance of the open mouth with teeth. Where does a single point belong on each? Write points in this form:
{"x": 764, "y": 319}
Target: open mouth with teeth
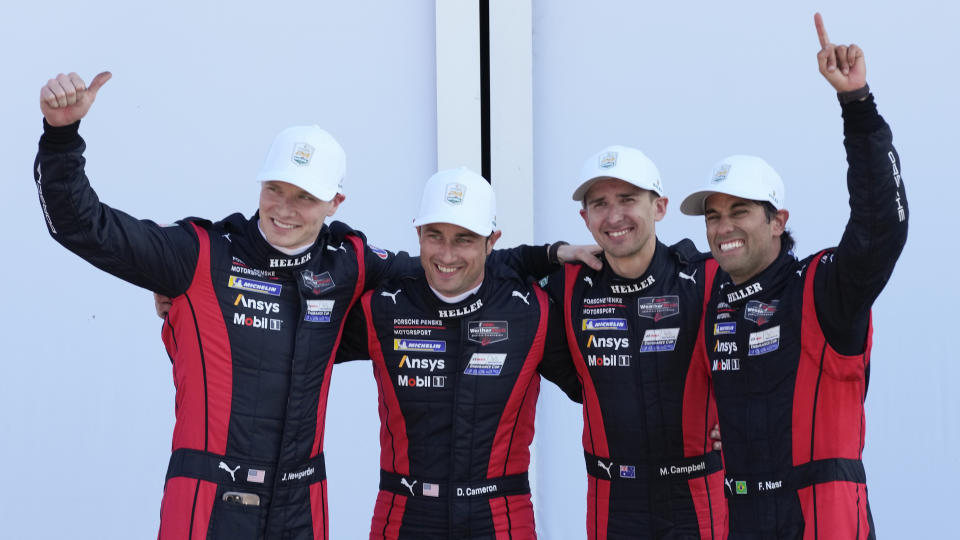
{"x": 446, "y": 269}
{"x": 730, "y": 245}
{"x": 282, "y": 225}
{"x": 619, "y": 233}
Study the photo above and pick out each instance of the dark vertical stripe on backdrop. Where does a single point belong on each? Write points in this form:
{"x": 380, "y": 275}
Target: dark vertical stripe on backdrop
{"x": 485, "y": 89}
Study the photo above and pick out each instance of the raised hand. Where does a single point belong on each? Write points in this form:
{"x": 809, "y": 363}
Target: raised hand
{"x": 66, "y": 98}
{"x": 842, "y": 65}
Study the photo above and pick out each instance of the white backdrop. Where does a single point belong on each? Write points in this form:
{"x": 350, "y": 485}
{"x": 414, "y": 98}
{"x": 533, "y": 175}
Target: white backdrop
{"x": 692, "y": 82}
{"x": 200, "y": 89}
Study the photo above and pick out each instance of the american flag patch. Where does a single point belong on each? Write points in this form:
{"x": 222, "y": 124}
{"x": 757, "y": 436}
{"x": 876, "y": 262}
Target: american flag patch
{"x": 431, "y": 490}
{"x": 255, "y": 475}
{"x": 628, "y": 471}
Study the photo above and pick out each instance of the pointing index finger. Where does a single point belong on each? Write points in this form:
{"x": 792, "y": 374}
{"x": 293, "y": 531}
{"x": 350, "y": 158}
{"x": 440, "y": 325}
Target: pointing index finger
{"x": 821, "y": 30}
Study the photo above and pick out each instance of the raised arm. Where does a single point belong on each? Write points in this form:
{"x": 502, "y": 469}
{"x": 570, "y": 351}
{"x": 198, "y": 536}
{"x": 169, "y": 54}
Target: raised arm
{"x": 161, "y": 259}
{"x": 848, "y": 281}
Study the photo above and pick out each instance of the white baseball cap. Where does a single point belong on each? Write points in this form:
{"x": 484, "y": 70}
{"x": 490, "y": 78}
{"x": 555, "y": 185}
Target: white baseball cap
{"x": 309, "y": 158}
{"x": 461, "y": 197}
{"x": 747, "y": 177}
{"x": 621, "y": 162}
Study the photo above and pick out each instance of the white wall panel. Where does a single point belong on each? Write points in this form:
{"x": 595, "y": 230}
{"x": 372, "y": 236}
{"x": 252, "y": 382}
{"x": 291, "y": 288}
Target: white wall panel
{"x": 689, "y": 83}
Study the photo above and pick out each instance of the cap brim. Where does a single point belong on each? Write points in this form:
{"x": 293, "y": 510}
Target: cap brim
{"x": 322, "y": 193}
{"x": 694, "y": 204}
{"x": 477, "y": 228}
{"x": 581, "y": 191}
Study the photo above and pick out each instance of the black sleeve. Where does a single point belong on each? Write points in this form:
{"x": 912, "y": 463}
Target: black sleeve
{"x": 141, "y": 252}
{"x": 531, "y": 263}
{"x": 554, "y": 285}
{"x": 849, "y": 280}
{"x": 557, "y": 364}
{"x": 353, "y": 344}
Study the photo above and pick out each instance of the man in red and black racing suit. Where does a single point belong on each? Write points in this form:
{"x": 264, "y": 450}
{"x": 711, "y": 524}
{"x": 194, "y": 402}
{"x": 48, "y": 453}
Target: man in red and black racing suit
{"x": 633, "y": 328}
{"x": 457, "y": 350}
{"x": 788, "y": 340}
{"x": 258, "y": 311}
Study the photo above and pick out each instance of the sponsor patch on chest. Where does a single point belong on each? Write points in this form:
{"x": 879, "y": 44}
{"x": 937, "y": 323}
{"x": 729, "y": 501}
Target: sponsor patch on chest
{"x": 658, "y": 307}
{"x": 604, "y": 324}
{"x": 488, "y": 364}
{"x": 317, "y": 283}
{"x": 760, "y": 312}
{"x": 253, "y": 285}
{"x": 319, "y": 310}
{"x": 487, "y": 332}
{"x": 764, "y": 341}
{"x": 419, "y": 345}
{"x": 724, "y": 328}
{"x": 659, "y": 339}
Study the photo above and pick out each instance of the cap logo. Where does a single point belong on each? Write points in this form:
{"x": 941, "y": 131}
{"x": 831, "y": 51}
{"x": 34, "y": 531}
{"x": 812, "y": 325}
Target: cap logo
{"x": 720, "y": 174}
{"x": 773, "y": 196}
{"x": 455, "y": 193}
{"x": 302, "y": 153}
{"x": 608, "y": 160}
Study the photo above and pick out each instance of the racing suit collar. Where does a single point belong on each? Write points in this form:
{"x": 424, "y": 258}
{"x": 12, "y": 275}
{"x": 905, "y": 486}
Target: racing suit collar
{"x": 625, "y": 286}
{"x": 767, "y": 282}
{"x": 266, "y": 256}
{"x": 469, "y": 305}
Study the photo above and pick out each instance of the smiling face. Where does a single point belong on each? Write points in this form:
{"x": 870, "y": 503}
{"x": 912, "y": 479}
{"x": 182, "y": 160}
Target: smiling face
{"x": 621, "y": 218}
{"x": 741, "y": 237}
{"x": 453, "y": 257}
{"x": 291, "y": 217}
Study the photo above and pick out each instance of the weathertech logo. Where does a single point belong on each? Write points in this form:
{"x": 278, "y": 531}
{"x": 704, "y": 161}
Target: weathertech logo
{"x": 422, "y": 381}
{"x": 488, "y": 332}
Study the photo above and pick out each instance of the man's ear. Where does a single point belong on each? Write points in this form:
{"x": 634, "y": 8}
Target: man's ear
{"x": 335, "y": 203}
{"x": 660, "y": 209}
{"x": 780, "y": 222}
{"x": 492, "y": 239}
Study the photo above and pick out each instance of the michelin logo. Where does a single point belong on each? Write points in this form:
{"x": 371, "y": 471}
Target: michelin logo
{"x": 604, "y": 324}
{"x": 419, "y": 345}
{"x": 252, "y": 285}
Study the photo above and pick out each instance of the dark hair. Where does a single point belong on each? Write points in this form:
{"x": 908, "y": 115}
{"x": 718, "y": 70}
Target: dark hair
{"x": 786, "y": 239}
